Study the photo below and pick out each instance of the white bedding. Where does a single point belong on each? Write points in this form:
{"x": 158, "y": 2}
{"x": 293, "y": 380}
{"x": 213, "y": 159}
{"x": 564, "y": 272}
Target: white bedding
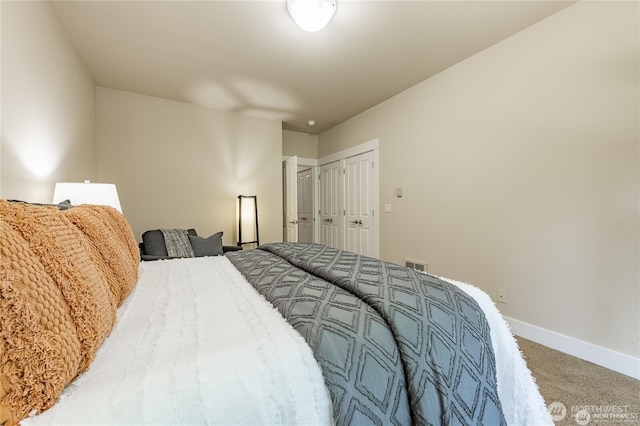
{"x": 196, "y": 344}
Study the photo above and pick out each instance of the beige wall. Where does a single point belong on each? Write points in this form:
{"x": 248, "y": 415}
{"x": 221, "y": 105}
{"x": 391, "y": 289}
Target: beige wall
{"x": 180, "y": 165}
{"x": 300, "y": 144}
{"x": 520, "y": 171}
{"x": 49, "y": 134}
{"x": 48, "y": 106}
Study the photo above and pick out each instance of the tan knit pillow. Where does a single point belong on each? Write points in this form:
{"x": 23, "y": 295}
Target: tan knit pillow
{"x": 110, "y": 246}
{"x": 65, "y": 254}
{"x": 39, "y": 346}
{"x": 123, "y": 231}
{"x": 62, "y": 276}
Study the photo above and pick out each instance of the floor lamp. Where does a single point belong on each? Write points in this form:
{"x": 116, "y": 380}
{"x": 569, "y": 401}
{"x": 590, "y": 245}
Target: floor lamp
{"x": 247, "y": 209}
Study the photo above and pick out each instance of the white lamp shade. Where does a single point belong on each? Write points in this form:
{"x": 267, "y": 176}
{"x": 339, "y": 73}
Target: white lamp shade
{"x": 87, "y": 193}
{"x": 311, "y": 15}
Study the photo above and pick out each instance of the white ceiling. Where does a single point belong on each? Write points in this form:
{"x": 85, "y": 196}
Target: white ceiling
{"x": 250, "y": 57}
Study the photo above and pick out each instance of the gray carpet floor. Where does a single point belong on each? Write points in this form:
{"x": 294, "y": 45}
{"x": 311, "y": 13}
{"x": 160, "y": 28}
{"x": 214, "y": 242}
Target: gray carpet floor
{"x": 578, "y": 392}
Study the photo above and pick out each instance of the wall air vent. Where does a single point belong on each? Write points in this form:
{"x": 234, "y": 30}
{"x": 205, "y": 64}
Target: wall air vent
{"x": 416, "y": 265}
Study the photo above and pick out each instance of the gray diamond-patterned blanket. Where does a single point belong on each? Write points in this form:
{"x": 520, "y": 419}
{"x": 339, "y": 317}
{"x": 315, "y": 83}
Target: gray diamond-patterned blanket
{"x": 395, "y": 346}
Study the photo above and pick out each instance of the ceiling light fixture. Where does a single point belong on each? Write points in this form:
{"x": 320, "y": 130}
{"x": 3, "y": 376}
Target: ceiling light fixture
{"x": 311, "y": 15}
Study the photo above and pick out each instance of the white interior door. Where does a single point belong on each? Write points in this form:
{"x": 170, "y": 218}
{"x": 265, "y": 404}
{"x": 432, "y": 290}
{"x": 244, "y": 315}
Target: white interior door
{"x": 331, "y": 219}
{"x": 305, "y": 206}
{"x": 290, "y": 199}
{"x": 360, "y": 225}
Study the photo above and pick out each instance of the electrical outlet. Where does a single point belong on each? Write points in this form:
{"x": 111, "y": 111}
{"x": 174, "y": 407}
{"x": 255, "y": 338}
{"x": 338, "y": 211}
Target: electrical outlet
{"x": 502, "y": 296}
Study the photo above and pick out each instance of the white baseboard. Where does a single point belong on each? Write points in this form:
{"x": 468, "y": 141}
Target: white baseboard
{"x": 616, "y": 361}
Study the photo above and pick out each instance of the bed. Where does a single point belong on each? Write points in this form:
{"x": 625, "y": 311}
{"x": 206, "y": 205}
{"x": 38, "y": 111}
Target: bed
{"x": 289, "y": 334}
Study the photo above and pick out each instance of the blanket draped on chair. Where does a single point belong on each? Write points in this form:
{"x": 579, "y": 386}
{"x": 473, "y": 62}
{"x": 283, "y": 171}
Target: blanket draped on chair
{"x": 177, "y": 242}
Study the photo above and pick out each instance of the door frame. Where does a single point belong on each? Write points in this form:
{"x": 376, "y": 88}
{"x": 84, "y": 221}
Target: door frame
{"x": 313, "y": 163}
{"x": 290, "y": 199}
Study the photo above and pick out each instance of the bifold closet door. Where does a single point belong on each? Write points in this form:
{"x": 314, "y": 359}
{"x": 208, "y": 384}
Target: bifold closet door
{"x": 331, "y": 218}
{"x": 359, "y": 204}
